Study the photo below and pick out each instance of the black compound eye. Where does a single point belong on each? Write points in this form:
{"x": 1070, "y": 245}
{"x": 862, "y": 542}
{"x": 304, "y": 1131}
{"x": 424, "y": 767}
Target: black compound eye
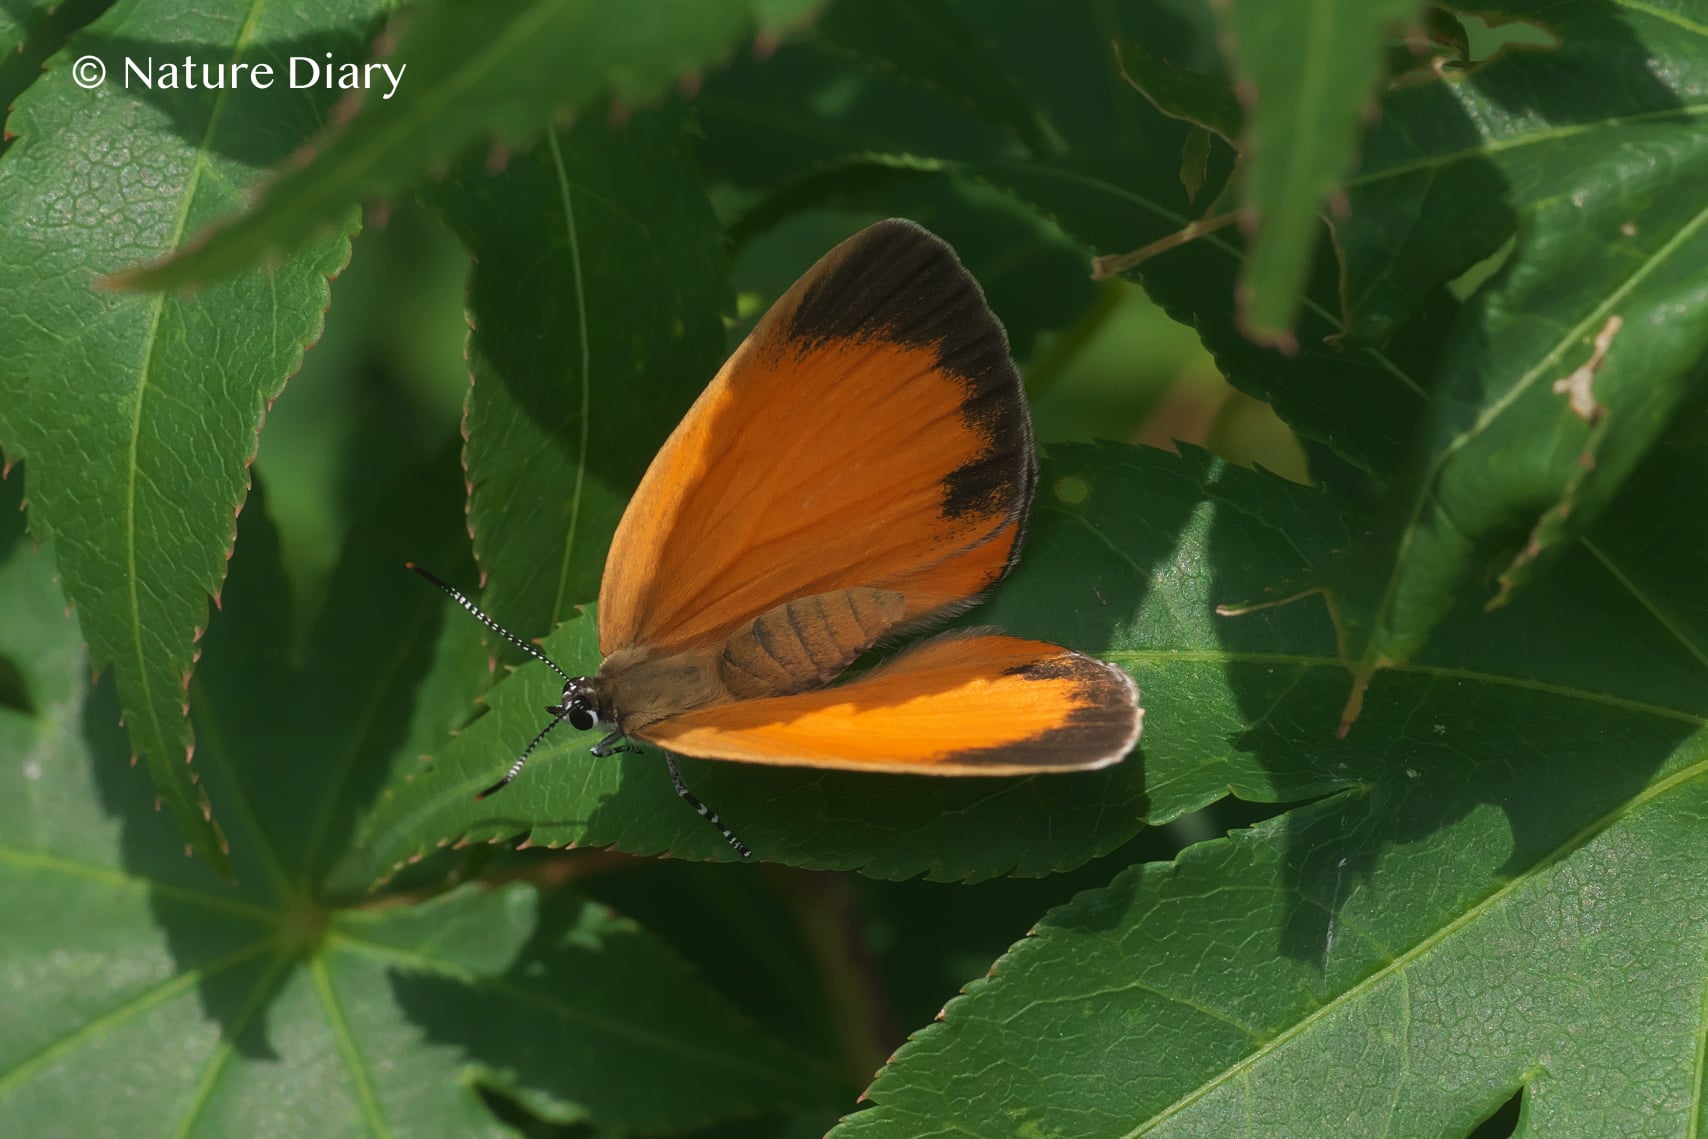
{"x": 580, "y": 719}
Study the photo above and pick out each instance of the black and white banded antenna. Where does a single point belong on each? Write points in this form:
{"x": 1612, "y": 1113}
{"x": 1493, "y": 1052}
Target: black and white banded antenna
{"x": 562, "y": 713}
{"x": 457, "y": 596}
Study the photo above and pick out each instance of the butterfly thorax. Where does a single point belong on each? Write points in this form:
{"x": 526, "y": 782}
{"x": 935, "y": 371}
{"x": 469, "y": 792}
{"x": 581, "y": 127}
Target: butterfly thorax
{"x": 637, "y": 687}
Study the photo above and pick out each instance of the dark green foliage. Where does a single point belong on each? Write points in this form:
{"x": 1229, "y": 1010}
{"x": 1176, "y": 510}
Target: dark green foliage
{"x": 1469, "y": 277}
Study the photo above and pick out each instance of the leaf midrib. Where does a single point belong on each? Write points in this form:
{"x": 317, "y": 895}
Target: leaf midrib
{"x": 138, "y": 1004}
{"x": 366, "y": 727}
{"x": 1436, "y": 671}
{"x": 1653, "y": 608}
{"x": 220, "y": 1056}
{"x": 1434, "y": 163}
{"x": 1545, "y": 366}
{"x": 148, "y": 364}
{"x": 339, "y": 1024}
{"x": 569, "y": 540}
{"x": 1668, "y": 17}
{"x": 1398, "y": 963}
{"x": 43, "y": 862}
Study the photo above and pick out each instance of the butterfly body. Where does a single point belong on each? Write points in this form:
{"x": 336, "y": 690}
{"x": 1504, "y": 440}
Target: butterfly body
{"x": 798, "y": 646}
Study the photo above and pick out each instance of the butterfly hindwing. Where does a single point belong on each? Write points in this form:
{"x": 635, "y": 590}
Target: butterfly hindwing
{"x": 963, "y": 703}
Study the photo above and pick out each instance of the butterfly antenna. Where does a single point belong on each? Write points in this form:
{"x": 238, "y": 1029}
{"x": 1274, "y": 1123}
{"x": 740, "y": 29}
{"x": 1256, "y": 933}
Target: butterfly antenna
{"x": 516, "y": 768}
{"x": 693, "y": 801}
{"x": 457, "y": 596}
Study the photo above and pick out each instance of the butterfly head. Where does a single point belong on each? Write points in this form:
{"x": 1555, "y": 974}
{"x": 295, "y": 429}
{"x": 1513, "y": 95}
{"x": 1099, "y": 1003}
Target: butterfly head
{"x": 580, "y": 704}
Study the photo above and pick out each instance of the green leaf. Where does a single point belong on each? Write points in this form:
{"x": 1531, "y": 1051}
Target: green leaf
{"x": 1152, "y": 1008}
{"x": 767, "y": 940}
{"x": 600, "y": 276}
{"x": 1306, "y": 71}
{"x": 832, "y": 122}
{"x": 1181, "y": 93}
{"x": 30, "y": 32}
{"x": 1454, "y": 163}
{"x": 1404, "y": 956}
{"x": 19, "y": 21}
{"x": 940, "y": 45}
{"x": 1364, "y": 402}
{"x": 267, "y": 1008}
{"x": 806, "y": 110}
{"x": 500, "y": 71}
{"x": 1095, "y": 577}
{"x": 138, "y": 415}
{"x": 1647, "y": 559}
{"x": 1488, "y": 894}
{"x": 1206, "y": 101}
{"x": 1562, "y": 374}
{"x": 826, "y": 114}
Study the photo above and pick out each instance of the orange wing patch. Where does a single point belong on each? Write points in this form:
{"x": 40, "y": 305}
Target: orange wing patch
{"x": 870, "y": 432}
{"x": 959, "y": 704}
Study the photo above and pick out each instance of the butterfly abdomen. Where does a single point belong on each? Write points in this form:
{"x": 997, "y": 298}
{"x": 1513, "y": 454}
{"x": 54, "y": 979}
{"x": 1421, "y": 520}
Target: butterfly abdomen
{"x": 808, "y": 642}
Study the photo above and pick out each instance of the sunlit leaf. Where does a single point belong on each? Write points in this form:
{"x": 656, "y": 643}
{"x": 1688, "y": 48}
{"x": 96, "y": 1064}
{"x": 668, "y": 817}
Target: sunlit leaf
{"x": 138, "y": 415}
{"x": 267, "y": 1008}
{"x": 1507, "y": 898}
{"x": 497, "y": 72}
{"x": 598, "y": 283}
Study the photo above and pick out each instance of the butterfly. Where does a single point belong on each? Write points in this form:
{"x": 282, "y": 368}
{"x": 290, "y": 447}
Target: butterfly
{"x": 861, "y": 469}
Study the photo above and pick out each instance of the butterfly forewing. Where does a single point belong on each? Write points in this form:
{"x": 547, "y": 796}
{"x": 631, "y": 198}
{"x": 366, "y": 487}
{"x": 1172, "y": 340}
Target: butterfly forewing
{"x": 871, "y": 432}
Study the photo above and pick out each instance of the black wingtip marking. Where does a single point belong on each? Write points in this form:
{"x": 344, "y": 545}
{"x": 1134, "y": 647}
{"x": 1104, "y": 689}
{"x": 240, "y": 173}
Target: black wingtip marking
{"x": 1104, "y": 723}
{"x": 1051, "y": 668}
{"x": 894, "y": 280}
{"x": 899, "y": 282}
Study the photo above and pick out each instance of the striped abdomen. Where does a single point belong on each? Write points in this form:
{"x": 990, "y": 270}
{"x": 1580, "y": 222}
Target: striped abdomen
{"x": 806, "y": 643}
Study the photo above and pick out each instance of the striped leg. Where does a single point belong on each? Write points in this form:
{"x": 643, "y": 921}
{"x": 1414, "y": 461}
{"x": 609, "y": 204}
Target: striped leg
{"x": 704, "y": 811}
{"x": 612, "y": 744}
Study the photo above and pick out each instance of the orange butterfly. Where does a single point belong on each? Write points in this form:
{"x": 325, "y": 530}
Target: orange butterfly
{"x": 862, "y": 467}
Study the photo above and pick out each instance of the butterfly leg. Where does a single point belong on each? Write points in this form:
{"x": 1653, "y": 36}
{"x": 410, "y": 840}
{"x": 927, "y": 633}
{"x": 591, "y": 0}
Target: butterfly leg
{"x": 614, "y": 744}
{"x": 704, "y": 811}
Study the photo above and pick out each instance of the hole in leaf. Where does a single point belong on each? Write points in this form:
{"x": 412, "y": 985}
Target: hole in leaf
{"x": 512, "y": 1112}
{"x": 1503, "y": 1121}
{"x": 1472, "y": 279}
{"x": 1487, "y": 40}
{"x": 1220, "y": 818}
{"x": 14, "y": 690}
